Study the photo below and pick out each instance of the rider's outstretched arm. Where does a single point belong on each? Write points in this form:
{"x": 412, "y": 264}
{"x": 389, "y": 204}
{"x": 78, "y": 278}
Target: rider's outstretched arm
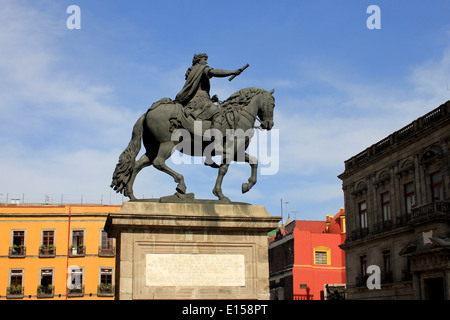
{"x": 220, "y": 73}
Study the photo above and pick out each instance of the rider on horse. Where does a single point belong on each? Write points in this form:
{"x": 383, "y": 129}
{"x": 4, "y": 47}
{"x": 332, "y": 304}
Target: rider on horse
{"x": 194, "y": 96}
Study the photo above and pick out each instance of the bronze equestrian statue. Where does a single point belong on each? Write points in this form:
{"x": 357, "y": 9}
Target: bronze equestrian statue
{"x": 170, "y": 125}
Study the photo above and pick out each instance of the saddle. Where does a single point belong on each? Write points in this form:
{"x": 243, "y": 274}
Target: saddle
{"x": 229, "y": 118}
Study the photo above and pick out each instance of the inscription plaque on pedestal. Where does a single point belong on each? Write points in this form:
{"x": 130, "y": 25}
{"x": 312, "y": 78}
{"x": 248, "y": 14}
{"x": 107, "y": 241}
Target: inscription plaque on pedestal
{"x": 187, "y": 270}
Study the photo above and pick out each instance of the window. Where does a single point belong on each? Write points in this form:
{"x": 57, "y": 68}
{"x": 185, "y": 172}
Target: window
{"x": 409, "y": 197}
{"x": 387, "y": 274}
{"x": 45, "y": 287}
{"x": 47, "y": 248}
{"x": 46, "y": 277}
{"x": 363, "y": 270}
{"x": 363, "y": 216}
{"x": 18, "y": 237}
{"x": 77, "y": 247}
{"x": 15, "y": 288}
{"x": 106, "y": 245}
{"x": 18, "y": 244}
{"x": 75, "y": 286}
{"x": 386, "y": 208}
{"x": 385, "y": 205}
{"x": 436, "y": 187}
{"x": 363, "y": 262}
{"x": 48, "y": 238}
{"x": 106, "y": 275}
{"x": 106, "y": 287}
{"x": 106, "y": 242}
{"x": 322, "y": 255}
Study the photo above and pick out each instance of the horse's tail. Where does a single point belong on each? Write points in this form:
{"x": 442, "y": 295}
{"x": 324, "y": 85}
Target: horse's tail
{"x": 127, "y": 159}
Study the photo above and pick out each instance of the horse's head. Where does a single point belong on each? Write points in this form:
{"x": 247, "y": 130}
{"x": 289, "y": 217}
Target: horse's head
{"x": 265, "y": 110}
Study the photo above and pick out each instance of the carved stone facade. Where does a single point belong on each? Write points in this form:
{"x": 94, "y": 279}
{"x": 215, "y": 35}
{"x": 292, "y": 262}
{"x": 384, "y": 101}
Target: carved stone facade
{"x": 397, "y": 204}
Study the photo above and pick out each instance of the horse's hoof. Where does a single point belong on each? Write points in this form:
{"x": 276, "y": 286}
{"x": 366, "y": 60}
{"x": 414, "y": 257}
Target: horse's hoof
{"x": 132, "y": 197}
{"x": 221, "y": 197}
{"x": 217, "y": 194}
{"x": 181, "y": 188}
{"x": 245, "y": 187}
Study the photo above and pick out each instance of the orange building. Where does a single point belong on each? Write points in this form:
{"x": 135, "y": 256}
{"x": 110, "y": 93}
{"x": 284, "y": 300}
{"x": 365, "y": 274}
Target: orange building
{"x": 305, "y": 260}
{"x": 56, "y": 252}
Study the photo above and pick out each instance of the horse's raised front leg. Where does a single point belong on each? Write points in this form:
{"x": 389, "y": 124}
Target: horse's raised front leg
{"x": 252, "y": 180}
{"x": 217, "y": 191}
{"x": 143, "y": 162}
{"x": 164, "y": 152}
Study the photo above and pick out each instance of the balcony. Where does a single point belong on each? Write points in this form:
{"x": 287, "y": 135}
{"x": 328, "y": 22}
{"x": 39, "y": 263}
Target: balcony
{"x": 387, "y": 277}
{"x": 17, "y": 251}
{"x": 45, "y": 291}
{"x": 14, "y": 292}
{"x": 105, "y": 290}
{"x": 45, "y": 252}
{"x": 431, "y": 211}
{"x": 75, "y": 291}
{"x": 106, "y": 252}
{"x": 77, "y": 251}
{"x": 361, "y": 281}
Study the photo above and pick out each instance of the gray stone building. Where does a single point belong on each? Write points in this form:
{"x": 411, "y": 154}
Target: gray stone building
{"x": 397, "y": 204}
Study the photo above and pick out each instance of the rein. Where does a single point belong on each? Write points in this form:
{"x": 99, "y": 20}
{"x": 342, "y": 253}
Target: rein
{"x": 252, "y": 118}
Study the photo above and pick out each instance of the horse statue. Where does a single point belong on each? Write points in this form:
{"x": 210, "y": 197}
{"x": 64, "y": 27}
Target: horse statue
{"x": 240, "y": 112}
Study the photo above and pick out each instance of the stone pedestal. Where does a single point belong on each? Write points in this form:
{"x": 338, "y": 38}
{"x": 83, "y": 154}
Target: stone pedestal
{"x": 191, "y": 250}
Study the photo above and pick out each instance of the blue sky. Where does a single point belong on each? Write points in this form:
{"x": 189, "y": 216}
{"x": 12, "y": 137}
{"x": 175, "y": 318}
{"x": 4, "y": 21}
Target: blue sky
{"x": 69, "y": 98}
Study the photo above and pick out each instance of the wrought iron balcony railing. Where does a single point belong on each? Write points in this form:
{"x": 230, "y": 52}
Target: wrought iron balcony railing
{"x": 105, "y": 290}
{"x": 14, "y": 292}
{"x": 75, "y": 291}
{"x": 17, "y": 251}
{"x": 45, "y": 252}
{"x": 436, "y": 209}
{"x": 106, "y": 252}
{"x": 45, "y": 291}
{"x": 77, "y": 251}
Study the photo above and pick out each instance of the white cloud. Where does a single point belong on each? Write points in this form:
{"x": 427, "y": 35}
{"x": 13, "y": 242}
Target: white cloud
{"x": 431, "y": 80}
{"x": 57, "y": 126}
{"x": 39, "y": 86}
{"x": 321, "y": 132}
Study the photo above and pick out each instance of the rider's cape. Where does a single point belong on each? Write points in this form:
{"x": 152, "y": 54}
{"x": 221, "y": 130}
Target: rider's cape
{"x": 193, "y": 79}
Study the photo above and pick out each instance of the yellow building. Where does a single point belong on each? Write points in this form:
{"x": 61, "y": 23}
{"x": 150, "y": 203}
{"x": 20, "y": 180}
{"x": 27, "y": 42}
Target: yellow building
{"x": 56, "y": 252}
